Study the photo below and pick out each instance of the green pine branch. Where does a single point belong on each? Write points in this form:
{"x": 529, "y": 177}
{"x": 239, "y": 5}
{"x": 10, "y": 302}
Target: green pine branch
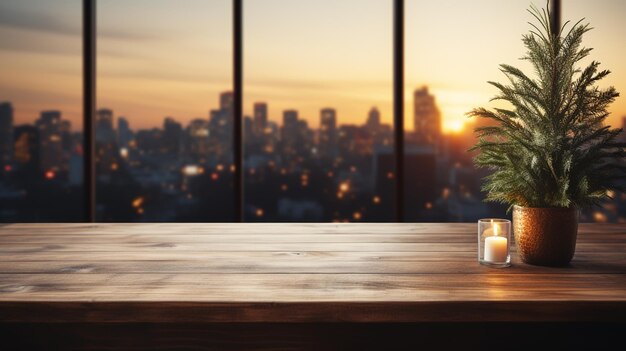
{"x": 551, "y": 148}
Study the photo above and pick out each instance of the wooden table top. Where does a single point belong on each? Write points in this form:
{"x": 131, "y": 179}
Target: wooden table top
{"x": 296, "y": 273}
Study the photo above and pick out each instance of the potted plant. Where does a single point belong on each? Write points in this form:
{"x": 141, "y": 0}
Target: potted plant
{"x": 550, "y": 154}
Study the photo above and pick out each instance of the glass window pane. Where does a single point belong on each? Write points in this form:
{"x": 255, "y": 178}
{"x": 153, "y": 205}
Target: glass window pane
{"x": 607, "y": 40}
{"x": 164, "y": 122}
{"x": 318, "y": 104}
{"x": 40, "y": 111}
{"x": 450, "y": 56}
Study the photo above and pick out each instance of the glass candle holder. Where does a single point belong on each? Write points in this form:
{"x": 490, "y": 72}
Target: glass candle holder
{"x": 494, "y": 242}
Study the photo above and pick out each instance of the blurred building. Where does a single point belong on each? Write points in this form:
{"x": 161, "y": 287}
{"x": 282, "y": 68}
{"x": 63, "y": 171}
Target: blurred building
{"x": 247, "y": 127}
{"x": 67, "y": 139}
{"x": 226, "y": 101}
{"x": 104, "y": 126}
{"x": 6, "y": 133}
{"x": 50, "y": 141}
{"x": 426, "y": 117}
{"x": 107, "y": 150}
{"x": 353, "y": 141}
{"x": 328, "y": 133}
{"x": 26, "y": 147}
{"x": 221, "y": 129}
{"x": 290, "y": 135}
{"x": 373, "y": 120}
{"x": 172, "y": 136}
{"x": 259, "y": 119}
{"x": 124, "y": 133}
{"x": 198, "y": 144}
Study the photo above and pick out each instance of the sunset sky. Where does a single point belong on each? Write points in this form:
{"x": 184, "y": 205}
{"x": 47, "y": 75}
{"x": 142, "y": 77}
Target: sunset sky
{"x": 160, "y": 58}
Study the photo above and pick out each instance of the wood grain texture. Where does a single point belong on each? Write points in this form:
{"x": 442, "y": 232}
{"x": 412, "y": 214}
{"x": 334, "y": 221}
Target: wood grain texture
{"x": 296, "y": 273}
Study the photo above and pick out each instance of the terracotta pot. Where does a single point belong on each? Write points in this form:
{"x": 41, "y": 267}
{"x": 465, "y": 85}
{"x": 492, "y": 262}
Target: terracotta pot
{"x": 545, "y": 236}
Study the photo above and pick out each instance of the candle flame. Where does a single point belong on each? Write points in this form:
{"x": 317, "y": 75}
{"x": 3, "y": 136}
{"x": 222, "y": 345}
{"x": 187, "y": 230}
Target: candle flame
{"x": 495, "y": 229}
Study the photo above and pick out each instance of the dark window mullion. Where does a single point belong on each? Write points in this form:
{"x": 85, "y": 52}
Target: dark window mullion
{"x": 238, "y": 108}
{"x": 398, "y": 105}
{"x": 89, "y": 99}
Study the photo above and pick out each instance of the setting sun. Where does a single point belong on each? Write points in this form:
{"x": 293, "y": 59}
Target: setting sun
{"x": 453, "y": 126}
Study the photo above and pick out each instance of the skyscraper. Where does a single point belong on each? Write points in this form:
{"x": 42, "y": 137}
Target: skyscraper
{"x": 107, "y": 151}
{"x": 6, "y": 133}
{"x": 247, "y": 127}
{"x": 198, "y": 132}
{"x": 328, "y": 132}
{"x": 290, "y": 117}
{"x": 373, "y": 120}
{"x": 220, "y": 132}
{"x": 104, "y": 126}
{"x": 290, "y": 130}
{"x": 426, "y": 118}
{"x": 226, "y": 101}
{"x": 65, "y": 128}
{"x": 124, "y": 133}
{"x": 51, "y": 143}
{"x": 259, "y": 121}
{"x": 172, "y": 136}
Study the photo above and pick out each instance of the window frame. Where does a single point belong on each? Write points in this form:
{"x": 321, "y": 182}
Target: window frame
{"x": 89, "y": 39}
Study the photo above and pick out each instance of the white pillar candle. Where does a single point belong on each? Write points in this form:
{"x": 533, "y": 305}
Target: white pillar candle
{"x": 496, "y": 249}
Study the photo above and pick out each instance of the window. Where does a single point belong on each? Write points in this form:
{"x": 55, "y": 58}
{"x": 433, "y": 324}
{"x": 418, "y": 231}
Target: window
{"x": 607, "y": 39}
{"x": 446, "y": 76}
{"x": 40, "y": 111}
{"x": 318, "y": 110}
{"x": 318, "y": 107}
{"x": 165, "y": 111}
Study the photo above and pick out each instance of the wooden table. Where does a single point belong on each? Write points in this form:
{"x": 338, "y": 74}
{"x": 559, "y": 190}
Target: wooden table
{"x": 292, "y": 285}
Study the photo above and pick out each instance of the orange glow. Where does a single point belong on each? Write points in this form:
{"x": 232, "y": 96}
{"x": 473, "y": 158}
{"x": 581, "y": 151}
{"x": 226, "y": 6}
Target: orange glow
{"x": 599, "y": 217}
{"x": 357, "y": 215}
{"x": 376, "y": 199}
{"x": 192, "y": 170}
{"x": 344, "y": 187}
{"x": 259, "y": 212}
{"x": 445, "y": 193}
{"x": 50, "y": 175}
{"x": 137, "y": 202}
{"x": 215, "y": 176}
{"x": 454, "y": 126}
{"x": 279, "y": 49}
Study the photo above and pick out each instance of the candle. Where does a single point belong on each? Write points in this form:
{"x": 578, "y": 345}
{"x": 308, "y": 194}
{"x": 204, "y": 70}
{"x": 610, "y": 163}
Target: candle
{"x": 496, "y": 247}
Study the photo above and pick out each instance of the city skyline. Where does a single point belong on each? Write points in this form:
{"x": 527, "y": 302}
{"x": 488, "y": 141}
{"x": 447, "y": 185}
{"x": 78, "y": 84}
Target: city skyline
{"x": 150, "y": 67}
{"x": 337, "y": 172}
